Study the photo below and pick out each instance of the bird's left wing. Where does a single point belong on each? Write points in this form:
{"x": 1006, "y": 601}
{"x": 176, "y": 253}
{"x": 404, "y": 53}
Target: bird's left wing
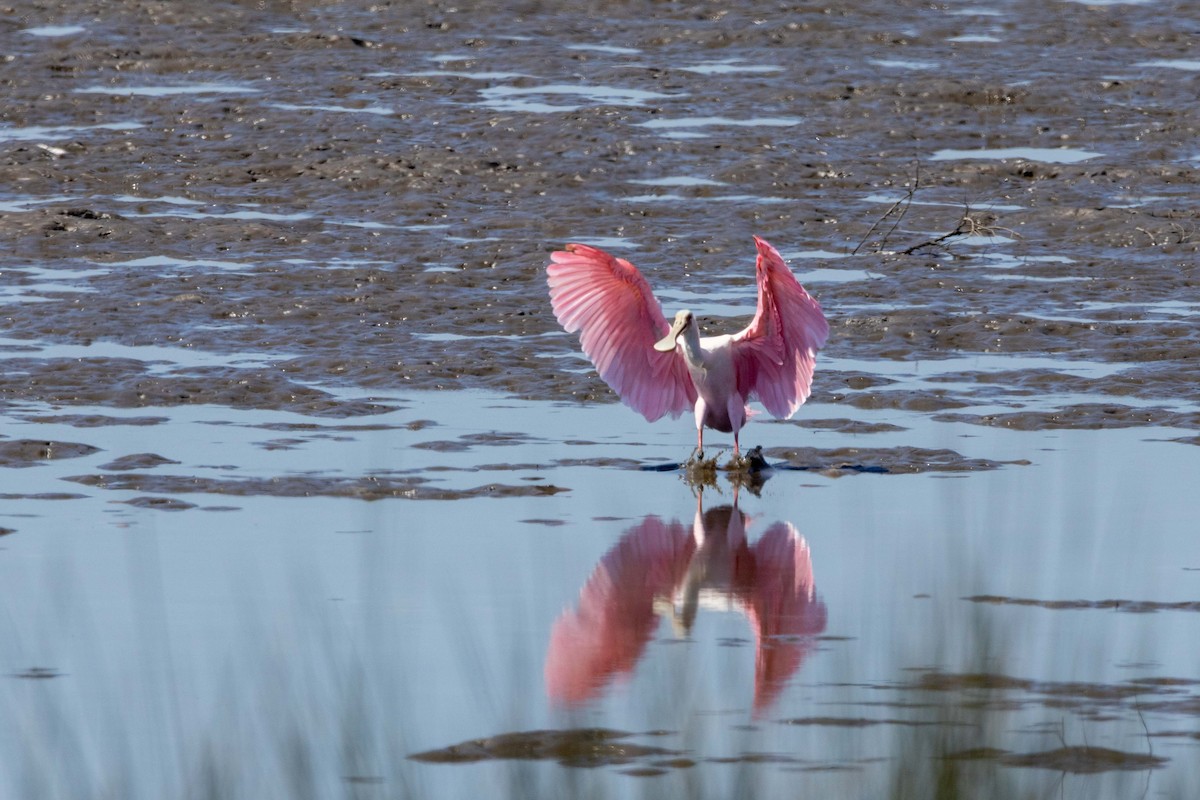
{"x": 610, "y": 303}
{"x": 774, "y": 357}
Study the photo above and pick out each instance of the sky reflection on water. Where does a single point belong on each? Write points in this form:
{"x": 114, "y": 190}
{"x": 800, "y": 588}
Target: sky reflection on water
{"x": 465, "y": 619}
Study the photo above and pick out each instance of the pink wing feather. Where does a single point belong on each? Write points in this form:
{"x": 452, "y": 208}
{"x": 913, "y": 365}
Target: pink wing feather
{"x": 610, "y": 303}
{"x": 774, "y": 356}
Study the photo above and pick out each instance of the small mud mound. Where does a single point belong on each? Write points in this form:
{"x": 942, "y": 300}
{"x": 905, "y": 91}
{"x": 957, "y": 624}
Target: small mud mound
{"x": 583, "y": 747}
{"x": 363, "y": 488}
{"x": 30, "y": 452}
{"x": 137, "y": 461}
{"x": 160, "y": 503}
{"x": 880, "y": 461}
{"x": 1077, "y": 760}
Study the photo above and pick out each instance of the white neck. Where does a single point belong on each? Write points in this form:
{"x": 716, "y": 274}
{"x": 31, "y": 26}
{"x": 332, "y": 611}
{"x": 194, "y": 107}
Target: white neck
{"x": 692, "y": 351}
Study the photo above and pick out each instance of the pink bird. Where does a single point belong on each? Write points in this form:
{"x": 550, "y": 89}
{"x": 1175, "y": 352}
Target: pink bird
{"x": 659, "y": 369}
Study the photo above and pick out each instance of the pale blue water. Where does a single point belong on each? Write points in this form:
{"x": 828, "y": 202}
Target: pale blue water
{"x": 409, "y": 625}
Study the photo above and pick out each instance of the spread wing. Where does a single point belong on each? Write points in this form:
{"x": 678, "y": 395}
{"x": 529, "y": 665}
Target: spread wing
{"x": 774, "y": 357}
{"x": 610, "y": 303}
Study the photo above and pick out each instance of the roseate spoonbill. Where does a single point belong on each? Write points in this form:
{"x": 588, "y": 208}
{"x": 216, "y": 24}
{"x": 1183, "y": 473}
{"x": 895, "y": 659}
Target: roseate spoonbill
{"x": 659, "y": 369}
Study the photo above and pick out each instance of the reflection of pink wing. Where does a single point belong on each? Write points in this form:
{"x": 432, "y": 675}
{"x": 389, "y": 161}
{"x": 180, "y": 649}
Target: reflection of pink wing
{"x": 782, "y": 603}
{"x": 615, "y": 619}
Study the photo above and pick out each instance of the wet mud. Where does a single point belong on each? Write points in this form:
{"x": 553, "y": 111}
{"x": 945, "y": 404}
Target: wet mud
{"x": 137, "y": 461}
{"x": 600, "y": 747}
{"x": 593, "y": 747}
{"x": 366, "y": 198}
{"x": 363, "y": 488}
{"x": 1128, "y": 606}
{"x": 160, "y": 503}
{"x": 1077, "y": 760}
{"x": 998, "y": 691}
{"x": 853, "y": 722}
{"x": 31, "y": 452}
{"x": 881, "y": 461}
{"x": 90, "y": 420}
{"x": 582, "y": 747}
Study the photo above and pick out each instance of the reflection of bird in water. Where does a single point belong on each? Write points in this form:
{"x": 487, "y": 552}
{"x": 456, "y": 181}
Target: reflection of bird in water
{"x": 664, "y": 569}
{"x": 660, "y": 369}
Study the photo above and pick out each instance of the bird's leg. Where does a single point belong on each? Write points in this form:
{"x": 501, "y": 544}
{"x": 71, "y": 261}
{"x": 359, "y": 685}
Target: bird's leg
{"x": 700, "y": 443}
{"x": 738, "y": 462}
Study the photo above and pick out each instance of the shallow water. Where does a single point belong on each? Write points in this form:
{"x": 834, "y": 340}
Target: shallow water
{"x": 278, "y": 603}
{"x": 305, "y": 492}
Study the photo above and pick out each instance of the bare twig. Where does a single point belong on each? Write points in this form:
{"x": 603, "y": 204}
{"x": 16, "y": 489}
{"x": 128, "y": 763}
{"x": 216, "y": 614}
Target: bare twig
{"x": 907, "y": 200}
{"x": 1149, "y": 742}
{"x": 907, "y": 205}
{"x": 968, "y": 225}
{"x": 902, "y": 205}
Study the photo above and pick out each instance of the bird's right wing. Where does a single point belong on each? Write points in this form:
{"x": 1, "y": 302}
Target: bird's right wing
{"x": 610, "y": 303}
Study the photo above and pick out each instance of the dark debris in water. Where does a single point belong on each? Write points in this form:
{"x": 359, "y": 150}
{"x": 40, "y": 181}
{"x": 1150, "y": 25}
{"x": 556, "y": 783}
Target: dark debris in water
{"x": 856, "y": 722}
{"x": 580, "y": 747}
{"x": 1128, "y": 606}
{"x": 671, "y": 466}
{"x": 829, "y": 768}
{"x": 471, "y": 440}
{"x": 754, "y": 758}
{"x": 1077, "y": 760}
{"x": 305, "y": 427}
{"x": 29, "y": 452}
{"x": 280, "y": 444}
{"x": 363, "y": 488}
{"x": 38, "y": 674}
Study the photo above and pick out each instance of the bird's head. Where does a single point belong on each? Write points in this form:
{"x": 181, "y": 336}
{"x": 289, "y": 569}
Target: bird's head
{"x": 683, "y": 321}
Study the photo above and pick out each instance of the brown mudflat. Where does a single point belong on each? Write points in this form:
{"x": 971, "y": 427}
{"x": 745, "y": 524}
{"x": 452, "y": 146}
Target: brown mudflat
{"x": 367, "y": 197}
